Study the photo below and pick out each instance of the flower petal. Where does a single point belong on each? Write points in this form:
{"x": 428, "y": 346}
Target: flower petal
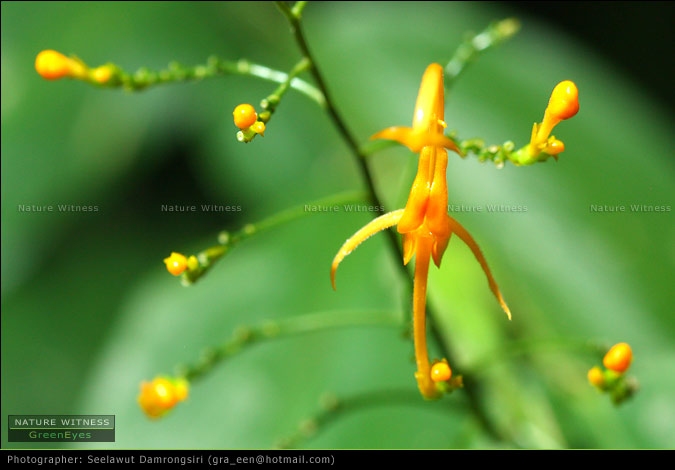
{"x": 418, "y": 199}
{"x": 429, "y": 107}
{"x": 416, "y": 140}
{"x": 371, "y": 228}
{"x": 471, "y": 243}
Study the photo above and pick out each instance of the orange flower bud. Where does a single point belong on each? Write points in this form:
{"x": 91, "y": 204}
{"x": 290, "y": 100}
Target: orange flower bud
{"x": 259, "y": 128}
{"x": 52, "y": 65}
{"x": 596, "y": 377}
{"x": 161, "y": 395}
{"x": 102, "y": 74}
{"x": 176, "y": 263}
{"x": 563, "y": 104}
{"x": 441, "y": 372}
{"x": 618, "y": 358}
{"x": 192, "y": 263}
{"x": 244, "y": 116}
{"x": 564, "y": 101}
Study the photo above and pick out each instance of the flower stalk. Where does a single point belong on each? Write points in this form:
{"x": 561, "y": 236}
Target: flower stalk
{"x": 52, "y": 65}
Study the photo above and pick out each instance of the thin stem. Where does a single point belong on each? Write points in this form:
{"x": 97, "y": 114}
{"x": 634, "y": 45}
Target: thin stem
{"x": 528, "y": 347}
{"x": 286, "y": 80}
{"x": 474, "y": 46}
{"x": 228, "y": 240}
{"x": 270, "y": 103}
{"x": 144, "y": 78}
{"x": 333, "y": 408}
{"x": 497, "y": 154}
{"x": 350, "y": 140}
{"x": 247, "y": 336}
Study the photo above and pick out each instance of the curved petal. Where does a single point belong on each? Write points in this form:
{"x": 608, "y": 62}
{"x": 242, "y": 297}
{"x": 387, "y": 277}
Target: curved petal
{"x": 416, "y": 140}
{"x": 401, "y": 134}
{"x": 371, "y": 228}
{"x": 409, "y": 247}
{"x": 471, "y": 243}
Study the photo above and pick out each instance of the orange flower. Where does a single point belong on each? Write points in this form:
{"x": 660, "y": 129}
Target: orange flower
{"x": 161, "y": 395}
{"x": 424, "y": 223}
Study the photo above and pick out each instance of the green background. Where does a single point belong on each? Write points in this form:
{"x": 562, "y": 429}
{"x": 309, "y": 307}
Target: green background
{"x": 88, "y": 310}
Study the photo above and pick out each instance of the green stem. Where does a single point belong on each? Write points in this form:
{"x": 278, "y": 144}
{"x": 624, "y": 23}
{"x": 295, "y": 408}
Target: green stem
{"x": 293, "y": 16}
{"x": 334, "y": 408}
{"x": 474, "y": 46}
{"x": 246, "y": 336}
{"x": 270, "y": 103}
{"x": 286, "y": 81}
{"x": 528, "y": 347}
{"x": 289, "y": 215}
{"x": 144, "y": 78}
{"x": 498, "y": 154}
{"x": 228, "y": 240}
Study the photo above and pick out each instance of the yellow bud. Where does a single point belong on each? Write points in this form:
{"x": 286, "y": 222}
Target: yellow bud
{"x": 618, "y": 358}
{"x": 244, "y": 116}
{"x": 102, "y": 74}
{"x": 596, "y": 377}
{"x": 563, "y": 104}
{"x": 441, "y": 372}
{"x": 259, "y": 128}
{"x": 564, "y": 101}
{"x": 52, "y": 65}
{"x": 192, "y": 263}
{"x": 176, "y": 263}
{"x": 554, "y": 146}
{"x": 161, "y": 395}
